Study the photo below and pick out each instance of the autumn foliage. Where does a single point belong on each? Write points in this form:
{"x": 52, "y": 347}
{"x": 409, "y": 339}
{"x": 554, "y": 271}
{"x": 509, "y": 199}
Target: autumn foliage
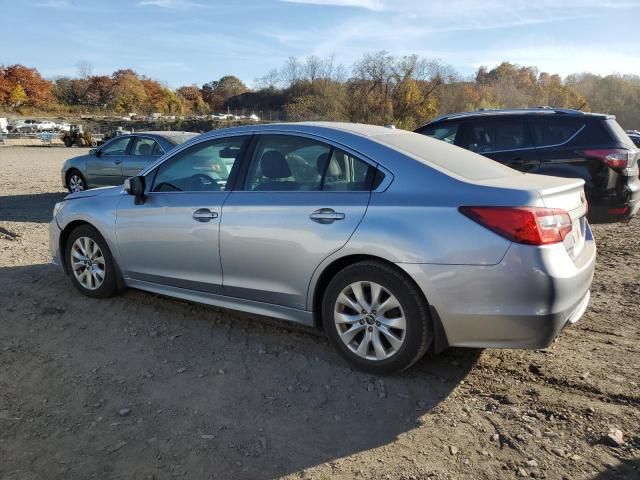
{"x": 379, "y": 88}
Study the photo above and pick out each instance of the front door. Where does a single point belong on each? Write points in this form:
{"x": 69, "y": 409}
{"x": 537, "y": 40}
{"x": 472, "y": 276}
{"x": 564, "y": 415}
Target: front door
{"x": 105, "y": 167}
{"x": 300, "y": 202}
{"x": 172, "y": 238}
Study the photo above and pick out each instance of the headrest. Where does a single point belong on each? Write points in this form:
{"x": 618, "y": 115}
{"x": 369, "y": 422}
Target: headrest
{"x": 334, "y": 168}
{"x": 274, "y": 165}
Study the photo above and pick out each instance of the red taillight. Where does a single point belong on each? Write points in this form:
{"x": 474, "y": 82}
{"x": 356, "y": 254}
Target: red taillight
{"x": 528, "y": 225}
{"x": 616, "y": 158}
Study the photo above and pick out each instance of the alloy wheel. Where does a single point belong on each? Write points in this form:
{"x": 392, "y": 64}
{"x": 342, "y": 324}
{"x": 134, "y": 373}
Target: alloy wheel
{"x": 370, "y": 320}
{"x": 87, "y": 263}
{"x": 76, "y": 184}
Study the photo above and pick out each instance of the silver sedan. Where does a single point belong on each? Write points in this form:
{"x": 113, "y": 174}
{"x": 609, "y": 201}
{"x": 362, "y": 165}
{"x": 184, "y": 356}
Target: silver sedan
{"x": 390, "y": 241}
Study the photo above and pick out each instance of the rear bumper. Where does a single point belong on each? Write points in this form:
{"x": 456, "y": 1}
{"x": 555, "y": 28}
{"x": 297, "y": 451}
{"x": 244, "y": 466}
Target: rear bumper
{"x": 617, "y": 209}
{"x": 523, "y": 302}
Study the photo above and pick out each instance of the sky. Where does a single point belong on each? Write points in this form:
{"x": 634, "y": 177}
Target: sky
{"x": 184, "y": 42}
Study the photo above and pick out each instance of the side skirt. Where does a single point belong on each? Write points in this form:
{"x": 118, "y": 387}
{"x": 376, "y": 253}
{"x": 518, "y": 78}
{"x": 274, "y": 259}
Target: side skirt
{"x": 248, "y": 306}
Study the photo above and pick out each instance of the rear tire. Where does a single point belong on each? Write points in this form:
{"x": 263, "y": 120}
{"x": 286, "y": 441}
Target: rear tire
{"x": 90, "y": 264}
{"x": 376, "y": 317}
{"x": 67, "y": 142}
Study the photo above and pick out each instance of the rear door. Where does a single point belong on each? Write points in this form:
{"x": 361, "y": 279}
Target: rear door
{"x": 504, "y": 139}
{"x": 144, "y": 151}
{"x": 299, "y": 201}
{"x": 105, "y": 167}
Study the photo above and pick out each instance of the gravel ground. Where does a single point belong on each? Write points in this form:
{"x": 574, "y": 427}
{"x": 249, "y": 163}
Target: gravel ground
{"x": 141, "y": 386}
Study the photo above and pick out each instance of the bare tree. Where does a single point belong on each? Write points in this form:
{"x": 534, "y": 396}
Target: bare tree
{"x": 85, "y": 69}
{"x": 291, "y": 72}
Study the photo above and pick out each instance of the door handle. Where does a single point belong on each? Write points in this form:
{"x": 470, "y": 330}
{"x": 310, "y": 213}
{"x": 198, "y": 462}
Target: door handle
{"x": 204, "y": 215}
{"x": 326, "y": 215}
{"x": 117, "y": 161}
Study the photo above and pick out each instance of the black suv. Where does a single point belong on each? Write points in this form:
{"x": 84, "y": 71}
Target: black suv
{"x": 560, "y": 142}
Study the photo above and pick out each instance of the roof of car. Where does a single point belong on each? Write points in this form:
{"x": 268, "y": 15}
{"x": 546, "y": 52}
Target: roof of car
{"x": 517, "y": 111}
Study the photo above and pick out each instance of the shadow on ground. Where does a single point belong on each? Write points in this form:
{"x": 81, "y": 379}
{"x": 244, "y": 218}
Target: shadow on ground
{"x": 36, "y": 208}
{"x": 208, "y": 393}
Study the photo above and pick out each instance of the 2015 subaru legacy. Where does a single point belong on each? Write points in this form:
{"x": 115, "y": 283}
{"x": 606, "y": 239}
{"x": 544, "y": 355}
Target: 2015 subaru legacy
{"x": 390, "y": 241}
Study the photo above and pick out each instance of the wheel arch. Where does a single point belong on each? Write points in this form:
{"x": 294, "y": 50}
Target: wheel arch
{"x": 69, "y": 172}
{"x": 440, "y": 338}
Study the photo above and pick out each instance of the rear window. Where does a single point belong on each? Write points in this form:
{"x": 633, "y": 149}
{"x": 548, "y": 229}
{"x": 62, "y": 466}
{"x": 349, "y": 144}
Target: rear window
{"x": 458, "y": 161}
{"x": 618, "y": 133}
{"x": 179, "y": 139}
{"x": 555, "y": 131}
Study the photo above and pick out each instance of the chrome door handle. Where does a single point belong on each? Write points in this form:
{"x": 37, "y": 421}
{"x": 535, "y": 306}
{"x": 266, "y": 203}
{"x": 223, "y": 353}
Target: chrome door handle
{"x": 204, "y": 215}
{"x": 326, "y": 215}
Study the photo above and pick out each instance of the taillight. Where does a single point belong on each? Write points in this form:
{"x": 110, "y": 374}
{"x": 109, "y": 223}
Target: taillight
{"x": 528, "y": 225}
{"x": 616, "y": 158}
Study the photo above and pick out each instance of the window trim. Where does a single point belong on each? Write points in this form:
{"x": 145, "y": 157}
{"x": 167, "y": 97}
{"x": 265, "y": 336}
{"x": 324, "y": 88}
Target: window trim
{"x": 577, "y": 132}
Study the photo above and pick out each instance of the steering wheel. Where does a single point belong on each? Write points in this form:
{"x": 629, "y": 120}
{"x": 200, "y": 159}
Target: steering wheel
{"x": 203, "y": 180}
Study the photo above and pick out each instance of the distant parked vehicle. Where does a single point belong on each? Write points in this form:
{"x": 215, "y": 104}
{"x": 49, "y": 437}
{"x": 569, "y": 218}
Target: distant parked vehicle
{"x": 25, "y": 126}
{"x": 559, "y": 142}
{"x": 634, "y": 135}
{"x": 121, "y": 157}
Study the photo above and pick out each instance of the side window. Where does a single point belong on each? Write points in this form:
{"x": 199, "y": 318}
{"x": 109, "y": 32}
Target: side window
{"x": 344, "y": 172}
{"x": 116, "y": 147}
{"x": 201, "y": 168}
{"x": 146, "y": 147}
{"x": 290, "y": 163}
{"x": 446, "y": 132}
{"x": 555, "y": 131}
{"x": 285, "y": 163}
{"x": 497, "y": 135}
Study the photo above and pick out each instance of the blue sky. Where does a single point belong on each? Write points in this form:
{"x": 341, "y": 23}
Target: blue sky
{"x": 194, "y": 41}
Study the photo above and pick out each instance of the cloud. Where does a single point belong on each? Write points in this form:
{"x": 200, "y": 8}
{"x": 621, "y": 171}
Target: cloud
{"x": 374, "y": 5}
{"x": 174, "y": 4}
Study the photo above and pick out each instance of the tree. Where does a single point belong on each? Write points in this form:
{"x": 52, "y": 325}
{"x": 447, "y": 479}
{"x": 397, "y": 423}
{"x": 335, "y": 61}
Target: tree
{"x": 192, "y": 98}
{"x": 217, "y": 92}
{"x": 36, "y": 88}
{"x": 128, "y": 92}
{"x": 17, "y": 96}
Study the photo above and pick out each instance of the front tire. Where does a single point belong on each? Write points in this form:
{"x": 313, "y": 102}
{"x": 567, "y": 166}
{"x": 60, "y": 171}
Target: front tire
{"x": 76, "y": 182}
{"x": 90, "y": 264}
{"x": 376, "y": 317}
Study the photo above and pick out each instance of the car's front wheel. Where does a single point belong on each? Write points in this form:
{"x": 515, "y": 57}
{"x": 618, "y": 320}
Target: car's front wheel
{"x": 376, "y": 317}
{"x": 76, "y": 182}
{"x": 90, "y": 264}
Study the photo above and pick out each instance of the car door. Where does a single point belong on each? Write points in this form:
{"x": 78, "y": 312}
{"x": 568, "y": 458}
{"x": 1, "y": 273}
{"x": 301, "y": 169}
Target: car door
{"x": 105, "y": 166}
{"x": 299, "y": 201}
{"x": 143, "y": 151}
{"x": 172, "y": 238}
{"x": 505, "y": 139}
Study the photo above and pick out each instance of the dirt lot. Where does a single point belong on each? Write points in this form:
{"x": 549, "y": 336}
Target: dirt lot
{"x": 141, "y": 386}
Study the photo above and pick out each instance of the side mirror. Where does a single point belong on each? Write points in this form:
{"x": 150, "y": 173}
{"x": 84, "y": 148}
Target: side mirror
{"x": 94, "y": 152}
{"x": 135, "y": 186}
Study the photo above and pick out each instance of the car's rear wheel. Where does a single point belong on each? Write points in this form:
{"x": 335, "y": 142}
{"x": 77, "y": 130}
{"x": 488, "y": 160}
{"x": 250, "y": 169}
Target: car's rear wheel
{"x": 376, "y": 317}
{"x": 90, "y": 264}
{"x": 76, "y": 182}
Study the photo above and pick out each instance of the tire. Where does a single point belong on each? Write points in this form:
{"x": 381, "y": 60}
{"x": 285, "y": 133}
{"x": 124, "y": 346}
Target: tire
{"x": 80, "y": 142}
{"x": 101, "y": 277}
{"x": 404, "y": 333}
{"x": 76, "y": 182}
{"x": 67, "y": 142}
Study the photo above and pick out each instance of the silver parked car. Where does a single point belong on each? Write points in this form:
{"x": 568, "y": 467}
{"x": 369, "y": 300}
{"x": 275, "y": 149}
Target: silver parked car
{"x": 389, "y": 240}
{"x": 119, "y": 158}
